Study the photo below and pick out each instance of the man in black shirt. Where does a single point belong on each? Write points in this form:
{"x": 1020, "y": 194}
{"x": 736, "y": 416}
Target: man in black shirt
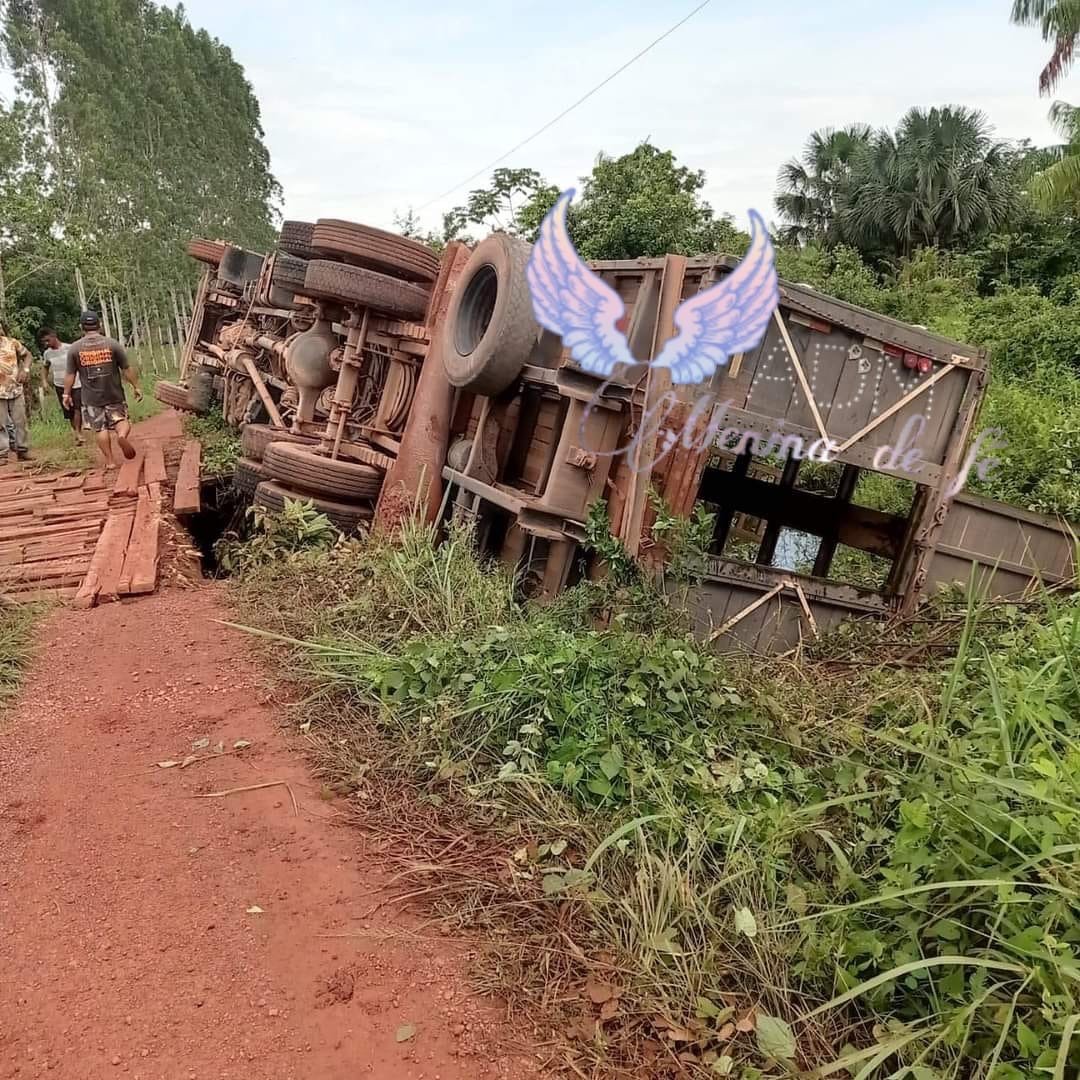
{"x": 100, "y": 364}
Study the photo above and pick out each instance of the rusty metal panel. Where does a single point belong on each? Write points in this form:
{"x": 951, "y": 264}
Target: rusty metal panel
{"x": 1010, "y": 547}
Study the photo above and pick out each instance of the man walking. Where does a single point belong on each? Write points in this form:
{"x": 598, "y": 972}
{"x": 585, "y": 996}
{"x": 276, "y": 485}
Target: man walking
{"x": 55, "y": 354}
{"x": 100, "y": 363}
{"x": 15, "y": 361}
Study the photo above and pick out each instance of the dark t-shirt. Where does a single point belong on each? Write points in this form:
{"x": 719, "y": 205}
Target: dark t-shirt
{"x": 98, "y": 361}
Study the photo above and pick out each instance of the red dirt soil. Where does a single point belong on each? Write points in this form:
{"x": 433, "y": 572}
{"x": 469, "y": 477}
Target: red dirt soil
{"x": 129, "y": 943}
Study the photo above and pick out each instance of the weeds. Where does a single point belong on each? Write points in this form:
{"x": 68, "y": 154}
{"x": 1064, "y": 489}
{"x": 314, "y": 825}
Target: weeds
{"x": 16, "y": 626}
{"x": 701, "y": 863}
{"x": 220, "y": 443}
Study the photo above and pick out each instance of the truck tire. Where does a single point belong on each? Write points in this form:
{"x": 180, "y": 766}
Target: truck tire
{"x": 173, "y": 395}
{"x": 349, "y": 518}
{"x": 200, "y": 393}
{"x": 356, "y": 285}
{"x": 295, "y": 238}
{"x": 490, "y": 325}
{"x": 210, "y": 252}
{"x": 299, "y": 467}
{"x": 255, "y": 438}
{"x": 248, "y": 475}
{"x": 362, "y": 245}
{"x": 289, "y": 272}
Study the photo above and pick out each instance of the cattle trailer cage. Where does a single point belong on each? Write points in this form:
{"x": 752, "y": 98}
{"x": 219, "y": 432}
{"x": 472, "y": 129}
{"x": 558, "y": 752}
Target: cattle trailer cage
{"x": 528, "y": 462}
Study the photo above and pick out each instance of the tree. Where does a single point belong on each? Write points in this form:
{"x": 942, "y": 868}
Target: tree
{"x": 812, "y": 186}
{"x": 940, "y": 180}
{"x": 149, "y": 131}
{"x": 638, "y": 205}
{"x": 1057, "y": 186}
{"x": 1059, "y": 22}
{"x": 645, "y": 204}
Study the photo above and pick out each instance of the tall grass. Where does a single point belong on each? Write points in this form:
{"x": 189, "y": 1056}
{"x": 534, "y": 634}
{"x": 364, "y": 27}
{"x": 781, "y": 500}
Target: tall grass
{"x": 708, "y": 864}
{"x": 16, "y": 644}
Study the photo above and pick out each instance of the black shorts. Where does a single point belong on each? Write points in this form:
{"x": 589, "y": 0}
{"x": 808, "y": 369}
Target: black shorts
{"x": 76, "y": 401}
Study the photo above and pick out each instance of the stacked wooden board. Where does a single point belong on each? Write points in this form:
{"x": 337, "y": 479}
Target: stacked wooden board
{"x": 77, "y": 537}
{"x": 125, "y": 561}
{"x": 49, "y": 528}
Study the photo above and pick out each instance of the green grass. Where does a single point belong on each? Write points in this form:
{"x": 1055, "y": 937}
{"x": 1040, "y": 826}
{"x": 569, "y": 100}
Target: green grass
{"x": 220, "y": 443}
{"x": 16, "y": 643}
{"x": 874, "y": 869}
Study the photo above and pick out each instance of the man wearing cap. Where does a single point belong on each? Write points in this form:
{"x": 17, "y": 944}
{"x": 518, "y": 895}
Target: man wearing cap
{"x": 100, "y": 363}
{"x": 15, "y": 361}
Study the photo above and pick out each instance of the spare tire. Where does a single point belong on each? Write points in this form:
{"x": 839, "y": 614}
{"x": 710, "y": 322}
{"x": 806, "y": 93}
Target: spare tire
{"x": 210, "y": 252}
{"x": 172, "y": 394}
{"x": 248, "y": 475}
{"x": 295, "y": 238}
{"x": 348, "y": 517}
{"x": 301, "y": 468}
{"x": 255, "y": 438}
{"x": 201, "y": 390}
{"x": 355, "y": 285}
{"x": 490, "y": 328}
{"x": 288, "y": 272}
{"x": 362, "y": 245}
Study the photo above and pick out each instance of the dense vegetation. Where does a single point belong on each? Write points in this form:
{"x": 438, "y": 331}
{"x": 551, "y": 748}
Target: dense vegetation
{"x": 930, "y": 224}
{"x": 705, "y": 863}
{"x": 130, "y": 133}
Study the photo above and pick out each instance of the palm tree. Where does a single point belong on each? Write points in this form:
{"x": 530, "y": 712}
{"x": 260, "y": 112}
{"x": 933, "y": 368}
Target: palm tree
{"x": 1057, "y": 185}
{"x": 938, "y": 180}
{"x": 811, "y": 186}
{"x": 1059, "y": 21}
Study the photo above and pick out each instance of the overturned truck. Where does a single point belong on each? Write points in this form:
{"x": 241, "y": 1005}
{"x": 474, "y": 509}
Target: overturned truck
{"x": 389, "y": 378}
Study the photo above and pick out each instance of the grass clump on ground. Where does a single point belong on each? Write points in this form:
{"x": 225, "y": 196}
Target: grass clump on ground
{"x": 220, "y": 442}
{"x": 707, "y": 864}
{"x": 16, "y": 644}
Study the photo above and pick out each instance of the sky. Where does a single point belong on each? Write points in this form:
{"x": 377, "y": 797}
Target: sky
{"x": 371, "y": 108}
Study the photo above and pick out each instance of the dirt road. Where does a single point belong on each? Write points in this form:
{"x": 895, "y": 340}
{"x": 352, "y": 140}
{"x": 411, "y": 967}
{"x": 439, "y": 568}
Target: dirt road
{"x": 150, "y": 933}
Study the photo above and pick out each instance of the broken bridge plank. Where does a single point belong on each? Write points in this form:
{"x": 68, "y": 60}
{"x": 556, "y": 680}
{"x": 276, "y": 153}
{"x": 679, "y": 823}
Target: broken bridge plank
{"x": 188, "y": 499}
{"x": 139, "y": 574}
{"x": 113, "y": 567}
{"x": 127, "y": 480}
{"x": 154, "y": 464}
{"x": 109, "y": 551}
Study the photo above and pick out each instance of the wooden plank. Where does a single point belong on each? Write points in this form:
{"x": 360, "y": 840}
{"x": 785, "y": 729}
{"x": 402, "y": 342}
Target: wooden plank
{"x": 127, "y": 480}
{"x": 94, "y": 481}
{"x": 140, "y": 568}
{"x": 854, "y": 526}
{"x": 796, "y": 363}
{"x": 38, "y": 530}
{"x": 118, "y": 531}
{"x": 187, "y": 499}
{"x": 44, "y": 571}
{"x": 154, "y": 464}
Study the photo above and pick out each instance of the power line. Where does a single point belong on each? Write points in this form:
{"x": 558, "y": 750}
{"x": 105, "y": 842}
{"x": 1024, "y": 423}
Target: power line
{"x": 569, "y": 109}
